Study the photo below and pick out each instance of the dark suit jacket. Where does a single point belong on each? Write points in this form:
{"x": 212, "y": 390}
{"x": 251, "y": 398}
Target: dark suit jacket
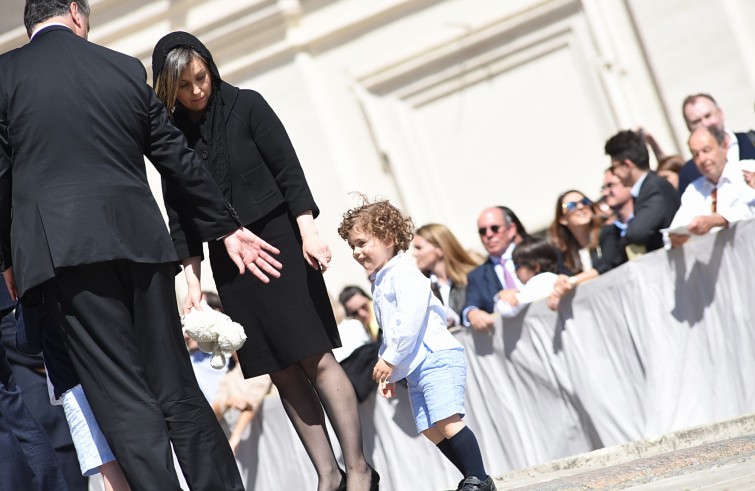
{"x": 654, "y": 208}
{"x": 689, "y": 172}
{"x": 265, "y": 171}
{"x": 76, "y": 121}
{"x": 482, "y": 285}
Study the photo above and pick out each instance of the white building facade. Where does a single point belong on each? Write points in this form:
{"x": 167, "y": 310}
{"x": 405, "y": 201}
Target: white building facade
{"x": 449, "y": 106}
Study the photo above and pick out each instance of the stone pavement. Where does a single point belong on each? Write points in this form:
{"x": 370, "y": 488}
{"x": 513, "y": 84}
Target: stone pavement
{"x": 718, "y": 457}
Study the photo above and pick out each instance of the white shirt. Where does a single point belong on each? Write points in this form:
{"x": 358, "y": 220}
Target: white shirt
{"x": 735, "y": 200}
{"x": 412, "y": 318}
{"x": 538, "y": 287}
{"x": 46, "y": 25}
{"x": 732, "y": 150}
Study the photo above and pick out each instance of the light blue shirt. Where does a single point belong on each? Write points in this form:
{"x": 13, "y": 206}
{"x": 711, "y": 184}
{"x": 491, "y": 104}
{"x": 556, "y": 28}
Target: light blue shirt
{"x": 637, "y": 185}
{"x": 412, "y": 318}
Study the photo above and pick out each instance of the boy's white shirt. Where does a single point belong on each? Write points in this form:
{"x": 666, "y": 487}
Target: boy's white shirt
{"x": 412, "y": 318}
{"x": 538, "y": 287}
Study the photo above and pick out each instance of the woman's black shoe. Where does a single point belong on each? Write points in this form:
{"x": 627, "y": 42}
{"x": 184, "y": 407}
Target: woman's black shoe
{"x": 374, "y": 480}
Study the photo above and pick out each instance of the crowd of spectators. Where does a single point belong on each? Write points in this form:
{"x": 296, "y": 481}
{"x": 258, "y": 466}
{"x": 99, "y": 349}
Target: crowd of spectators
{"x": 640, "y": 210}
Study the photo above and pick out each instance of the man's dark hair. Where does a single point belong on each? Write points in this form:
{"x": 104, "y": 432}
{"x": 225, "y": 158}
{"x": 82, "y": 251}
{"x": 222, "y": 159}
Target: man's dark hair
{"x": 37, "y": 11}
{"x": 510, "y": 217}
{"x": 628, "y": 145}
{"x": 350, "y": 291}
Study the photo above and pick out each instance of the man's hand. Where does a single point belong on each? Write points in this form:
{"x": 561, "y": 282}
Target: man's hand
{"x": 749, "y": 178}
{"x": 480, "y": 320}
{"x": 382, "y": 371}
{"x": 248, "y": 251}
{"x": 701, "y": 225}
{"x": 387, "y": 390}
{"x": 508, "y": 296}
{"x": 10, "y": 282}
{"x": 677, "y": 240}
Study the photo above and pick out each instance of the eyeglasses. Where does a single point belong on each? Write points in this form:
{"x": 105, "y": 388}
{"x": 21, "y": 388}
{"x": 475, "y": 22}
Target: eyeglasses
{"x": 493, "y": 228}
{"x": 608, "y": 185}
{"x": 570, "y": 206}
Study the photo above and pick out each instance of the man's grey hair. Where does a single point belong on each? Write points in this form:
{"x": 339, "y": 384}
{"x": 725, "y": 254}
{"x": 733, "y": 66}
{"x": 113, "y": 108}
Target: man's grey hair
{"x": 717, "y": 133}
{"x": 37, "y": 11}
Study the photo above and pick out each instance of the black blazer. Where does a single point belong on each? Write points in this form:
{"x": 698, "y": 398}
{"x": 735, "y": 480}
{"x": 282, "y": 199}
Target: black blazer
{"x": 76, "y": 121}
{"x": 654, "y": 208}
{"x": 265, "y": 171}
{"x": 482, "y": 286}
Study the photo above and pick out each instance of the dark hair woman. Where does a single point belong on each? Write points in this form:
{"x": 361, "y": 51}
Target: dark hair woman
{"x": 289, "y": 323}
{"x": 587, "y": 248}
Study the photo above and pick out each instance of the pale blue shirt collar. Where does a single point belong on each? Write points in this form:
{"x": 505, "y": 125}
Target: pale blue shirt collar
{"x": 637, "y": 185}
{"x": 506, "y": 254}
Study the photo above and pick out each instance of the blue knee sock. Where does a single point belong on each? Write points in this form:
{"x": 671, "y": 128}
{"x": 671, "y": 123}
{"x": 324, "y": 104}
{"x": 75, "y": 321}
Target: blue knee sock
{"x": 465, "y": 446}
{"x": 448, "y": 450}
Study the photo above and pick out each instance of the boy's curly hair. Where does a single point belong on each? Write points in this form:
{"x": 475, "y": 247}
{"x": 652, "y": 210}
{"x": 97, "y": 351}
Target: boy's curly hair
{"x": 379, "y": 219}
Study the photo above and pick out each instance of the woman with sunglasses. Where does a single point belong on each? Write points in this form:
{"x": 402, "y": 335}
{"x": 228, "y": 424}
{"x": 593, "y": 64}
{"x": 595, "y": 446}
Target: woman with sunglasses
{"x": 587, "y": 248}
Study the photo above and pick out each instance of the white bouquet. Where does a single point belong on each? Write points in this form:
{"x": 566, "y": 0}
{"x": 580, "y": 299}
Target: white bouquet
{"x": 214, "y": 332}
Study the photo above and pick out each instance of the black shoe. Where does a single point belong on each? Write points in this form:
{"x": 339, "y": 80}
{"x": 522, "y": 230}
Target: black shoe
{"x": 474, "y": 484}
{"x": 374, "y": 480}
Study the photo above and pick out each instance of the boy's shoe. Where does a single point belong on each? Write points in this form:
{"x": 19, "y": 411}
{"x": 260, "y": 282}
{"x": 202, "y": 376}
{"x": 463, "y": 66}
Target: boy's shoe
{"x": 474, "y": 484}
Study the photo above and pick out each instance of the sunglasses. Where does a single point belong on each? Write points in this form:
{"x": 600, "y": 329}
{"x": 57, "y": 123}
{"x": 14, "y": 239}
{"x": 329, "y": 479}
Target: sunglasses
{"x": 570, "y": 206}
{"x": 493, "y": 228}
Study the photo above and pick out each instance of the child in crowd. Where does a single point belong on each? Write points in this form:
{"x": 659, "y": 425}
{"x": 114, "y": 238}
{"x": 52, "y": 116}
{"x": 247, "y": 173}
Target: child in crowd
{"x": 416, "y": 343}
{"x": 536, "y": 262}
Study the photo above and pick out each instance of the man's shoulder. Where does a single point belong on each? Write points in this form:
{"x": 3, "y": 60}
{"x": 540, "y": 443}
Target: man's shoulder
{"x": 477, "y": 273}
{"x": 655, "y": 183}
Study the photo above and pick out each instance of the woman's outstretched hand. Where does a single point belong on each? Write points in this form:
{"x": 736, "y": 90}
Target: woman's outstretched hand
{"x": 247, "y": 251}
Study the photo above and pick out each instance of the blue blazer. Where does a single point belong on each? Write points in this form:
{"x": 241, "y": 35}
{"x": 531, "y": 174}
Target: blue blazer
{"x": 482, "y": 285}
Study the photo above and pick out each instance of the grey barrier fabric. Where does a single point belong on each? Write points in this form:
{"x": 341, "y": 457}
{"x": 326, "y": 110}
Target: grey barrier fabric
{"x": 659, "y": 344}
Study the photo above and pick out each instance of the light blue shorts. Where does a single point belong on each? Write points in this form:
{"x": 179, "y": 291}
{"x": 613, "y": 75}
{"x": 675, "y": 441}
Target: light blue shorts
{"x": 91, "y": 446}
{"x": 436, "y": 387}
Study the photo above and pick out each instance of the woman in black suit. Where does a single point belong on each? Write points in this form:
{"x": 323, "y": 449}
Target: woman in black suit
{"x": 288, "y": 321}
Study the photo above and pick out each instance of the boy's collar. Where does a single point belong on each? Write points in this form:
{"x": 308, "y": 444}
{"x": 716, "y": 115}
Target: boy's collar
{"x": 392, "y": 262}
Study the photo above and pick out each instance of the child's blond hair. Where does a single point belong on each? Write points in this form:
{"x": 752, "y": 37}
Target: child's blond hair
{"x": 379, "y": 219}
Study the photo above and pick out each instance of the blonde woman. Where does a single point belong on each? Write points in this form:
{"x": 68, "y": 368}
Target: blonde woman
{"x": 441, "y": 257}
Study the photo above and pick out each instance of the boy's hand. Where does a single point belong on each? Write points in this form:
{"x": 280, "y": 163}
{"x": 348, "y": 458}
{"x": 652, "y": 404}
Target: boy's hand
{"x": 382, "y": 371}
{"x": 388, "y": 390}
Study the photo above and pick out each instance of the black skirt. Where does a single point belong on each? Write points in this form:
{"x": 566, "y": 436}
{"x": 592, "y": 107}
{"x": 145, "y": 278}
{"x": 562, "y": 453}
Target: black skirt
{"x": 286, "y": 320}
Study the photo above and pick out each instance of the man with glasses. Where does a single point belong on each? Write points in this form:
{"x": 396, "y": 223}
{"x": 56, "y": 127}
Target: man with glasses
{"x": 618, "y": 197}
{"x": 499, "y": 234}
{"x": 655, "y": 199}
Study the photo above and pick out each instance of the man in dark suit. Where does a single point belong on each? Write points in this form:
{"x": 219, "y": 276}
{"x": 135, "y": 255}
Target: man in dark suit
{"x": 27, "y": 459}
{"x": 655, "y": 199}
{"x": 88, "y": 240}
{"x": 499, "y": 234}
{"x": 702, "y": 110}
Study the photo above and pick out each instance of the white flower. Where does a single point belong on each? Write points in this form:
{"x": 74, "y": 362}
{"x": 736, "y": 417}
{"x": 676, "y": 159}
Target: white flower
{"x": 214, "y": 332}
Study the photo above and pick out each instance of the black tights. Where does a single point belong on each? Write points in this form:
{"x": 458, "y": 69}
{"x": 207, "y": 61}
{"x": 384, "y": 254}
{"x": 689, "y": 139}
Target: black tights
{"x": 306, "y": 388}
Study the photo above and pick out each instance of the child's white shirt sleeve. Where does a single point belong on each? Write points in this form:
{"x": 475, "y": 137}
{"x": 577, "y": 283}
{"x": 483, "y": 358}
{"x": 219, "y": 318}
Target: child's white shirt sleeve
{"x": 401, "y": 331}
